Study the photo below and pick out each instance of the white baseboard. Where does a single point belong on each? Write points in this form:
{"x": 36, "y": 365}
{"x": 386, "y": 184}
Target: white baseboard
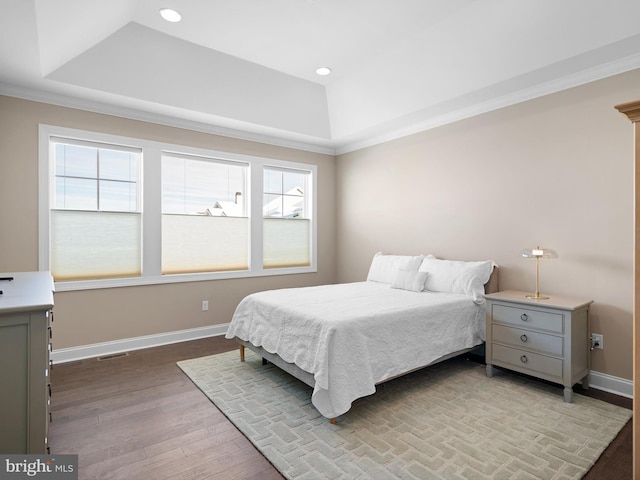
{"x": 71, "y": 354}
{"x": 611, "y": 384}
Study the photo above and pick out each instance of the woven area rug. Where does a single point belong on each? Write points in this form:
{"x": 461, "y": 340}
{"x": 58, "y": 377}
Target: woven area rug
{"x": 448, "y": 421}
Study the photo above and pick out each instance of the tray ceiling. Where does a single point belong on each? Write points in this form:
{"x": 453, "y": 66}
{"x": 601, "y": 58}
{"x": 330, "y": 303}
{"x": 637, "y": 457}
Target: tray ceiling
{"x": 247, "y": 67}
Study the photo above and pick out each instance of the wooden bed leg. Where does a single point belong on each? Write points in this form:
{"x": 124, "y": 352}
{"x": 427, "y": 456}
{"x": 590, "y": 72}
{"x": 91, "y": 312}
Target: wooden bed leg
{"x": 332, "y": 421}
{"x": 241, "y": 353}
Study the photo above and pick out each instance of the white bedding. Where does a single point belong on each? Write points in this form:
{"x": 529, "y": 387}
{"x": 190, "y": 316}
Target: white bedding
{"x": 352, "y": 336}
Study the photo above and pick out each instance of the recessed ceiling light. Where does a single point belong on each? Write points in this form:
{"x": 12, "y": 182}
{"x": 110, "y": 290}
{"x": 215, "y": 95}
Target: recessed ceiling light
{"x": 323, "y": 71}
{"x": 170, "y": 15}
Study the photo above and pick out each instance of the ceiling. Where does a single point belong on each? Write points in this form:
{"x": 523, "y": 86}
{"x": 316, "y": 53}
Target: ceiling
{"x": 246, "y": 68}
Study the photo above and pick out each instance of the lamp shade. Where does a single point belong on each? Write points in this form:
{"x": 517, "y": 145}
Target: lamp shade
{"x": 538, "y": 252}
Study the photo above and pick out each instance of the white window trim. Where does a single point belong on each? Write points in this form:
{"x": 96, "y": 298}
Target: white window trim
{"x": 152, "y": 209}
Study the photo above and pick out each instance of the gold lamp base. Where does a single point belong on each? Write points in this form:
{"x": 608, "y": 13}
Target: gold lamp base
{"x": 537, "y": 296}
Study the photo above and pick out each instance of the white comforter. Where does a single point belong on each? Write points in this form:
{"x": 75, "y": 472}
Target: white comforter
{"x": 352, "y": 336}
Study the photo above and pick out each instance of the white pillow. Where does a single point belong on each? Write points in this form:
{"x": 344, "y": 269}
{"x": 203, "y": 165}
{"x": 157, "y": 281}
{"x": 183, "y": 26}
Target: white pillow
{"x": 452, "y": 276}
{"x": 384, "y": 267}
{"x": 409, "y": 280}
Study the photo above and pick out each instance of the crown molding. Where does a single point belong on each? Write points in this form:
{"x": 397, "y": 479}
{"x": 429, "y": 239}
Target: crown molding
{"x": 250, "y": 133}
{"x": 473, "y": 109}
{"x": 631, "y": 110}
{"x": 411, "y": 124}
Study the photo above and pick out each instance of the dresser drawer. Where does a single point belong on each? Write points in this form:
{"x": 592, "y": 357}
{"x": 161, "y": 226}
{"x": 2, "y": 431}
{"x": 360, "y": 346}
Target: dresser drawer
{"x": 529, "y": 318}
{"x": 519, "y": 338}
{"x": 526, "y": 360}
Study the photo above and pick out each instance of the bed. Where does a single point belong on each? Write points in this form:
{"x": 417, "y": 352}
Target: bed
{"x": 344, "y": 339}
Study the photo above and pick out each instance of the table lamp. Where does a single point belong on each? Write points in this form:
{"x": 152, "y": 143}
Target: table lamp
{"x": 538, "y": 253}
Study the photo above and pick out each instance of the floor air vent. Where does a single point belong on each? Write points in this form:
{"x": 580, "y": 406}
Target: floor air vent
{"x": 112, "y": 356}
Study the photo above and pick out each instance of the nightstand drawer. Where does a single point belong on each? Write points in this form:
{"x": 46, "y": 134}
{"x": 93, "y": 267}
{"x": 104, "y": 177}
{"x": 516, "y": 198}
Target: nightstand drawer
{"x": 520, "y": 338}
{"x": 525, "y": 317}
{"x": 527, "y": 360}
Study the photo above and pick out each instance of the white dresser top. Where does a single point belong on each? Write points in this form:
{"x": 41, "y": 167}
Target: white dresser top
{"x": 554, "y": 301}
{"x": 27, "y": 291}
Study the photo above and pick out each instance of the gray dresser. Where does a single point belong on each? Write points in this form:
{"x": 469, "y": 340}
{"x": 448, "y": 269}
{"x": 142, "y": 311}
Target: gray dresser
{"x": 26, "y": 314}
{"x": 548, "y": 339}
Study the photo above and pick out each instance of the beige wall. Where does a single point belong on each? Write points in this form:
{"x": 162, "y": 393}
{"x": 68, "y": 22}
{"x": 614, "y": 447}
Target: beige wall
{"x": 94, "y": 316}
{"x": 556, "y": 171}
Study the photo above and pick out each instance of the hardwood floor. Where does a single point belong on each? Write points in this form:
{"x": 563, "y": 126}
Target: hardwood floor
{"x": 139, "y": 417}
{"x": 616, "y": 461}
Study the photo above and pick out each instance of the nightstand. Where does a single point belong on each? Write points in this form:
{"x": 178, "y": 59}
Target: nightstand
{"x": 547, "y": 339}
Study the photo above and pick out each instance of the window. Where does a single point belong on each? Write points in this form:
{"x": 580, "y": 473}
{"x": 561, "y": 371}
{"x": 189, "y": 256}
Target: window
{"x": 95, "y": 219}
{"x": 286, "y": 222}
{"x": 205, "y": 227}
{"x": 117, "y": 211}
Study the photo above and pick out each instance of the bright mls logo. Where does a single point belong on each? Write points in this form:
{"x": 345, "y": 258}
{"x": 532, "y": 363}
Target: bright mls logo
{"x": 51, "y": 467}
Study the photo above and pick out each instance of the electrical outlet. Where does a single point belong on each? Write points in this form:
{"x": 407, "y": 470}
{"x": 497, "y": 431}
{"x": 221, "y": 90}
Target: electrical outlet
{"x": 205, "y": 305}
{"x": 597, "y": 341}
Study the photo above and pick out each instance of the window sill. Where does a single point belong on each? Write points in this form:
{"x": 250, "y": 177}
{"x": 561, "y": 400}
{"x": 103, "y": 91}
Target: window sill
{"x": 69, "y": 286}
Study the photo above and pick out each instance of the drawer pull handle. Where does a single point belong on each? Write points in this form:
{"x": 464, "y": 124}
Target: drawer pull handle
{"x": 524, "y": 359}
{"x": 523, "y": 338}
{"x": 524, "y": 317}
